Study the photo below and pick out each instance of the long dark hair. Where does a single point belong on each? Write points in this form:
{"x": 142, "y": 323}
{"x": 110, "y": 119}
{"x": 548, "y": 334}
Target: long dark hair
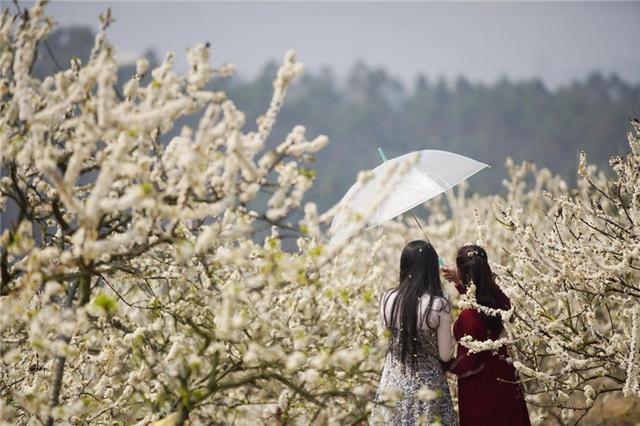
{"x": 419, "y": 275}
{"x": 473, "y": 266}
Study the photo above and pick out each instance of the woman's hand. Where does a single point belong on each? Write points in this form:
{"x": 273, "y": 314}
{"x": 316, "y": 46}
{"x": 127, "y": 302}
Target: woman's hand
{"x": 451, "y": 274}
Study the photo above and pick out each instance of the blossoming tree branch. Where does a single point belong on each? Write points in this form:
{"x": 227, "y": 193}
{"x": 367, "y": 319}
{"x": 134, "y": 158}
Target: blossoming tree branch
{"x": 131, "y": 287}
{"x": 134, "y": 287}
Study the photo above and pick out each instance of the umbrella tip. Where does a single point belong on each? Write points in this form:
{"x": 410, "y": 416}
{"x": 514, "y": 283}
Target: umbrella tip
{"x": 381, "y": 152}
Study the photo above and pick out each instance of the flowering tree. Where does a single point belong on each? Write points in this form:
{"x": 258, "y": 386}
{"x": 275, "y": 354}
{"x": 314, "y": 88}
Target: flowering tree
{"x": 568, "y": 260}
{"x": 134, "y": 286}
{"x": 578, "y": 335}
{"x": 131, "y": 285}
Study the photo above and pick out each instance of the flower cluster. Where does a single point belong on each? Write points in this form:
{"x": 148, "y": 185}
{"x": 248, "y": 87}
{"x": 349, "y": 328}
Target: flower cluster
{"x": 148, "y": 276}
{"x": 144, "y": 275}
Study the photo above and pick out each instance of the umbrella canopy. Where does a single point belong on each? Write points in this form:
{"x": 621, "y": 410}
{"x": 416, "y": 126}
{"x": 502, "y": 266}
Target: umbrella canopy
{"x": 432, "y": 173}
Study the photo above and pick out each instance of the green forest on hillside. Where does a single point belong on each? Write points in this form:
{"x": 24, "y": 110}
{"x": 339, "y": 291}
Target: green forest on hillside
{"x": 371, "y": 108}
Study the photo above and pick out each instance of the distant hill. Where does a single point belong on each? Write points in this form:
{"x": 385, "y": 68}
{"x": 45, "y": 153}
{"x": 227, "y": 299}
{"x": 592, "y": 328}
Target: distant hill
{"x": 524, "y": 120}
{"x": 372, "y": 108}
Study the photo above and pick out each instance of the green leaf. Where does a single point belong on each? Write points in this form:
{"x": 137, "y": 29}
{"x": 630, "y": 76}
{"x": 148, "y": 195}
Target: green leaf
{"x": 316, "y": 251}
{"x": 344, "y": 294}
{"x": 106, "y": 303}
{"x": 147, "y": 188}
{"x": 301, "y": 277}
{"x": 308, "y": 173}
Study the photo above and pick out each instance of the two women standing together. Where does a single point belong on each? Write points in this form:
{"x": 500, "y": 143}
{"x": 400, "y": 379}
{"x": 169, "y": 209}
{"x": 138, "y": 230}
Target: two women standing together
{"x": 421, "y": 346}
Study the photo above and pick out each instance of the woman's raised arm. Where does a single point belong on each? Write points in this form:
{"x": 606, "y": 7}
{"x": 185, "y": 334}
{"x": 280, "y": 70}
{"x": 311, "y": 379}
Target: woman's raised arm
{"x": 446, "y": 342}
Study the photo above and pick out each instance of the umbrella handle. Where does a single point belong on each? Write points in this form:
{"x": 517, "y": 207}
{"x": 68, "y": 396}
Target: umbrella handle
{"x": 381, "y": 152}
{"x": 419, "y": 225}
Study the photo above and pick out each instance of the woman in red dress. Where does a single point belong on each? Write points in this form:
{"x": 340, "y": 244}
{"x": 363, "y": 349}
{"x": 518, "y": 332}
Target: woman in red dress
{"x": 488, "y": 392}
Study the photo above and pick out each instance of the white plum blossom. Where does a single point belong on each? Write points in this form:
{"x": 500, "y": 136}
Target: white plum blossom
{"x": 169, "y": 278}
{"x": 133, "y": 288}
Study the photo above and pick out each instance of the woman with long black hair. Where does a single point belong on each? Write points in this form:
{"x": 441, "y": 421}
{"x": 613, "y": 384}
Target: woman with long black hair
{"x": 488, "y": 391}
{"x": 419, "y": 320}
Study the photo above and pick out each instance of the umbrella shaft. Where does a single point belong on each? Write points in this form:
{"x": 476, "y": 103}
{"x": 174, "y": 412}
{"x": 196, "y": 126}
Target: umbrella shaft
{"x": 420, "y": 226}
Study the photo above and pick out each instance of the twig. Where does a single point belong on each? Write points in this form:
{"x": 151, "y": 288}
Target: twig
{"x": 60, "y": 360}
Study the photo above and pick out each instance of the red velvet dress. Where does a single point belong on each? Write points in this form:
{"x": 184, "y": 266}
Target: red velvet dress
{"x": 487, "y": 392}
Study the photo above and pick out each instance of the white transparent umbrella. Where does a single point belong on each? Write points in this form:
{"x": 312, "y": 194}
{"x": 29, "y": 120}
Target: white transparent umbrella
{"x": 433, "y": 173}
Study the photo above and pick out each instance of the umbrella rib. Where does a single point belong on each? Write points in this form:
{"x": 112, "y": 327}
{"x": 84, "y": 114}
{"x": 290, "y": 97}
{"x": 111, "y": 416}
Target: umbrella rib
{"x": 435, "y": 176}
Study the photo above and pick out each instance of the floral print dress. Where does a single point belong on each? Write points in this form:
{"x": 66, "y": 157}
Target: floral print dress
{"x": 423, "y": 390}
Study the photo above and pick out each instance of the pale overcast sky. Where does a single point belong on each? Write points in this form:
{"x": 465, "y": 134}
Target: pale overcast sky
{"x": 557, "y": 41}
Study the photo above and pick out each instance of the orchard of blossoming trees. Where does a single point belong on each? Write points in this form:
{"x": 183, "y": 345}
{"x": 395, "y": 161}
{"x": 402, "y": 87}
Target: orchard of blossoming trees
{"x": 133, "y": 287}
